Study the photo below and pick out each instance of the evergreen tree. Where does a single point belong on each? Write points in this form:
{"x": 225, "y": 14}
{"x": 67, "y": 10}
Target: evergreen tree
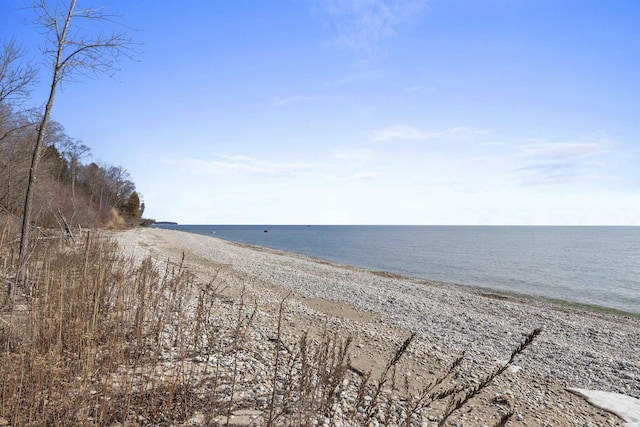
{"x": 133, "y": 206}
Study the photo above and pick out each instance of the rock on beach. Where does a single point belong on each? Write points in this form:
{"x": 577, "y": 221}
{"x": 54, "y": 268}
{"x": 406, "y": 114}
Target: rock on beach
{"x": 577, "y": 348}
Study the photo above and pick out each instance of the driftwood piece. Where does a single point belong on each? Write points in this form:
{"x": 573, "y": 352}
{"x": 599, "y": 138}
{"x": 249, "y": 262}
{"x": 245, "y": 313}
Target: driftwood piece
{"x": 65, "y": 225}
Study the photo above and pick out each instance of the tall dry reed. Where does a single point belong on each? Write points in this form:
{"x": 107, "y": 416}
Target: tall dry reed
{"x": 97, "y": 338}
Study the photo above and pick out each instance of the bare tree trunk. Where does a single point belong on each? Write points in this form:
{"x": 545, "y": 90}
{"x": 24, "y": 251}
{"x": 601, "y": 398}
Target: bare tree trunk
{"x": 35, "y": 158}
{"x": 66, "y": 228}
{"x": 80, "y": 51}
{"x": 73, "y": 176}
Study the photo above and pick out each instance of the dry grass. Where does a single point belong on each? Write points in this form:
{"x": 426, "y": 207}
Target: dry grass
{"x": 97, "y": 339}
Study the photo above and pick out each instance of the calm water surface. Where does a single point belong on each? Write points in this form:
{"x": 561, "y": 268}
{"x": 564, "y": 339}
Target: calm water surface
{"x": 588, "y": 265}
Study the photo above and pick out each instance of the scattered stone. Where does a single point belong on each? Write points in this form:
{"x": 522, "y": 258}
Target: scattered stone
{"x": 576, "y": 348}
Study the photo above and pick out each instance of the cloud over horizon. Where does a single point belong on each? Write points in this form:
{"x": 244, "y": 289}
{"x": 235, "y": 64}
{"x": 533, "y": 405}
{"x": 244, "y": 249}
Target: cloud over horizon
{"x": 371, "y": 111}
{"x": 405, "y": 132}
{"x": 565, "y": 150}
{"x": 243, "y": 165}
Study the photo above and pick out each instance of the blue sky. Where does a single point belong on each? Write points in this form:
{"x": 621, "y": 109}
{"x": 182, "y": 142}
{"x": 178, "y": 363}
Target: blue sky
{"x": 368, "y": 111}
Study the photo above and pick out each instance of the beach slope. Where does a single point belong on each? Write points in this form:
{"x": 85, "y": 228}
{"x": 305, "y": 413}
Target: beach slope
{"x": 577, "y": 348}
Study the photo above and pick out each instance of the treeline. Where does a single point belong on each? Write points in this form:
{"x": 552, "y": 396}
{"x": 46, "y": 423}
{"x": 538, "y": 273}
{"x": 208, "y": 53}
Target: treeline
{"x": 69, "y": 190}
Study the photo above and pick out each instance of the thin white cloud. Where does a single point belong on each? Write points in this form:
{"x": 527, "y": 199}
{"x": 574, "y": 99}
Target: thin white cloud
{"x": 548, "y": 163}
{"x": 465, "y": 131}
{"x": 243, "y": 165}
{"x": 404, "y": 132}
{"x": 281, "y": 102}
{"x": 415, "y": 89}
{"x": 360, "y": 25}
{"x": 365, "y": 76}
{"x": 566, "y": 150}
{"x": 365, "y": 176}
{"x": 401, "y": 132}
{"x": 353, "y": 155}
{"x": 547, "y": 174}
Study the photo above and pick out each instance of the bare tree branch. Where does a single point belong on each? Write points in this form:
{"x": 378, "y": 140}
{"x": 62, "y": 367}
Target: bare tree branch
{"x": 79, "y": 50}
{"x": 73, "y": 49}
{"x": 16, "y": 79}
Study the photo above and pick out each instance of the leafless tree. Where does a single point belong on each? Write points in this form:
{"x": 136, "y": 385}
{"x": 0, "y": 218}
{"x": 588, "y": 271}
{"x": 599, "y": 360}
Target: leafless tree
{"x": 74, "y": 50}
{"x": 73, "y": 150}
{"x": 16, "y": 80}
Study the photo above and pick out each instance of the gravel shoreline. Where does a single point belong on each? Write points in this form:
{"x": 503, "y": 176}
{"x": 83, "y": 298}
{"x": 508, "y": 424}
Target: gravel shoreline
{"x": 577, "y": 348}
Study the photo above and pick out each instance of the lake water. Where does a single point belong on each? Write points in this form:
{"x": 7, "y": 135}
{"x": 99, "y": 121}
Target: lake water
{"x": 588, "y": 265}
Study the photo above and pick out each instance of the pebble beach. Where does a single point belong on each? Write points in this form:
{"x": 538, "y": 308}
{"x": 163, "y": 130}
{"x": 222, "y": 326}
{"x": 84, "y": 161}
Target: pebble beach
{"x": 577, "y": 348}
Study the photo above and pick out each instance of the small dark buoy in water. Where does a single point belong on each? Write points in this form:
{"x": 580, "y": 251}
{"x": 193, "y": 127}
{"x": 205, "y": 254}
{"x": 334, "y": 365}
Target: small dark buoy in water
{"x": 266, "y": 231}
